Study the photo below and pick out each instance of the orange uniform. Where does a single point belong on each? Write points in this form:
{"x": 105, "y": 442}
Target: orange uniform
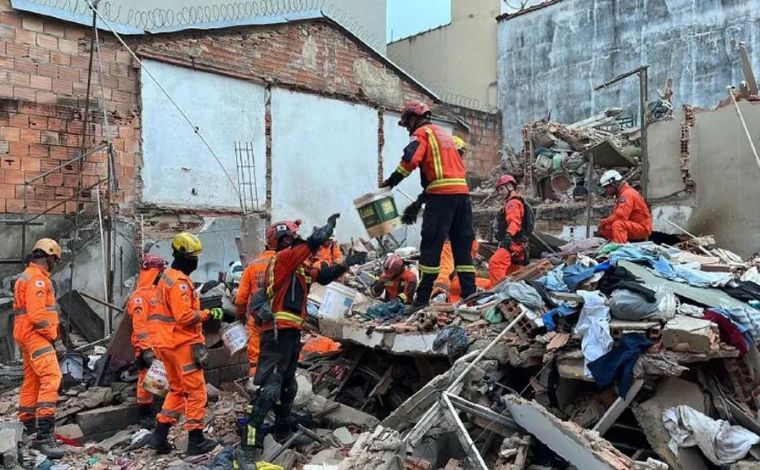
{"x": 447, "y": 280}
{"x": 175, "y": 327}
{"x": 501, "y": 263}
{"x": 402, "y": 287}
{"x": 441, "y": 167}
{"x": 253, "y": 279}
{"x": 328, "y": 253}
{"x": 35, "y": 330}
{"x": 139, "y": 304}
{"x": 288, "y": 282}
{"x": 631, "y": 220}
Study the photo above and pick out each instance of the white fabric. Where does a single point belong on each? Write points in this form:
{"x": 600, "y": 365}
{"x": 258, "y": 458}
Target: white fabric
{"x": 719, "y": 441}
{"x": 594, "y": 327}
{"x": 751, "y": 275}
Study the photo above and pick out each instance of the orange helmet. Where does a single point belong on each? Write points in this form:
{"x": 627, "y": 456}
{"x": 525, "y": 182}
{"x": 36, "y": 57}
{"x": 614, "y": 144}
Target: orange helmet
{"x": 505, "y": 180}
{"x": 413, "y": 108}
{"x": 279, "y": 230}
{"x": 150, "y": 261}
{"x": 48, "y": 246}
{"x": 393, "y": 266}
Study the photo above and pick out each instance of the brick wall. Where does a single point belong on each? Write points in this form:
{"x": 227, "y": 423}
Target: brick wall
{"x": 482, "y": 135}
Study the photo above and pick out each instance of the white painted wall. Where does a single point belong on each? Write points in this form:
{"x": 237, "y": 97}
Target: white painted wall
{"x": 324, "y": 155}
{"x": 178, "y": 170}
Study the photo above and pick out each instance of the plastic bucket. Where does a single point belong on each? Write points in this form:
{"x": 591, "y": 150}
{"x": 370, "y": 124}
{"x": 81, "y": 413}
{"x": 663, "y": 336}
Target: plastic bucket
{"x": 235, "y": 337}
{"x": 337, "y": 301}
{"x": 156, "y": 381}
{"x": 378, "y": 213}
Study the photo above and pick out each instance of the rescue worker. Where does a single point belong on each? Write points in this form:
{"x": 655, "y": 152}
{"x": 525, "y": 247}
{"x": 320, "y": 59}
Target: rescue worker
{"x": 281, "y": 311}
{"x": 631, "y": 219}
{"x": 36, "y": 333}
{"x": 177, "y": 335}
{"x": 448, "y": 212}
{"x": 253, "y": 280}
{"x": 396, "y": 282}
{"x": 515, "y": 225}
{"x": 139, "y": 304}
{"x": 328, "y": 253}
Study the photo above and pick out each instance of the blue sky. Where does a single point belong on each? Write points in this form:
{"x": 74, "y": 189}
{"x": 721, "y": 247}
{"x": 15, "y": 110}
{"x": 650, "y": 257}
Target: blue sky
{"x": 408, "y": 17}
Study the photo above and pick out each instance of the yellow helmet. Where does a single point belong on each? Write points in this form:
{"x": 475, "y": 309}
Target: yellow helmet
{"x": 49, "y": 246}
{"x": 460, "y": 144}
{"x": 187, "y": 245}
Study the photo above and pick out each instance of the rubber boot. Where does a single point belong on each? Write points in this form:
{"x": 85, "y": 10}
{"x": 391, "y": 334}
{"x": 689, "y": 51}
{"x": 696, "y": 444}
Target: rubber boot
{"x": 198, "y": 444}
{"x": 159, "y": 439}
{"x": 30, "y": 427}
{"x": 246, "y": 456}
{"x": 45, "y": 441}
{"x": 147, "y": 418}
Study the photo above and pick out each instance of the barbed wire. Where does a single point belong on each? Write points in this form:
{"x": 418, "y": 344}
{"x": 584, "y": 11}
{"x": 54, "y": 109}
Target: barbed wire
{"x": 169, "y": 18}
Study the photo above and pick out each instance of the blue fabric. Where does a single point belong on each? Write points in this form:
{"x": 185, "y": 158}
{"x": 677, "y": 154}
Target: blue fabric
{"x": 606, "y": 266}
{"x": 746, "y": 319}
{"x": 689, "y": 274}
{"x": 563, "y": 310}
{"x": 664, "y": 268}
{"x": 576, "y": 274}
{"x": 618, "y": 363}
{"x": 631, "y": 252}
{"x": 553, "y": 280}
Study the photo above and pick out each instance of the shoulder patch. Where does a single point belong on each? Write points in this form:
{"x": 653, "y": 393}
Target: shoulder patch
{"x": 39, "y": 283}
{"x": 183, "y": 287}
{"x": 410, "y": 150}
{"x": 138, "y": 300}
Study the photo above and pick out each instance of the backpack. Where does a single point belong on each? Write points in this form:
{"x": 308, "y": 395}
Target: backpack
{"x": 527, "y": 224}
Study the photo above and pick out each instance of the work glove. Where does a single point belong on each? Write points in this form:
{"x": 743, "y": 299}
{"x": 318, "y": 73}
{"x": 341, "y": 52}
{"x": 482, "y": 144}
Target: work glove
{"x": 60, "y": 349}
{"x": 322, "y": 234}
{"x": 412, "y": 211}
{"x": 216, "y": 313}
{"x": 385, "y": 184}
{"x": 147, "y": 356}
{"x": 352, "y": 259}
{"x": 506, "y": 243}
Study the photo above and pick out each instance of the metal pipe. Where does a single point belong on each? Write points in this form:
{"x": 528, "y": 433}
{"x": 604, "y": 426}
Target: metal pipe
{"x": 101, "y": 302}
{"x": 744, "y": 125}
{"x": 643, "y": 96}
{"x": 471, "y": 450}
{"x": 103, "y": 259}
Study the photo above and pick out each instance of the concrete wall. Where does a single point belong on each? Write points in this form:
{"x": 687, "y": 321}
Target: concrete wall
{"x": 664, "y": 144}
{"x": 321, "y": 159}
{"x": 726, "y": 177}
{"x": 178, "y": 170}
{"x": 458, "y": 58}
{"x": 550, "y": 59}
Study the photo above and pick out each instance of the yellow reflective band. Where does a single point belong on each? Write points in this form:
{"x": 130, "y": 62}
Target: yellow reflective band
{"x": 447, "y": 182}
{"x": 437, "y": 165}
{"x": 270, "y": 281}
{"x": 429, "y": 269}
{"x": 251, "y": 435}
{"x": 402, "y": 171}
{"x": 465, "y": 269}
{"x": 402, "y": 297}
{"x": 287, "y": 316}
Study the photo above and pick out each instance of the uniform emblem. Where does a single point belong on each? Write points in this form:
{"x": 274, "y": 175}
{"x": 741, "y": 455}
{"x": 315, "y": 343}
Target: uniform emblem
{"x": 138, "y": 300}
{"x": 183, "y": 287}
{"x": 39, "y": 283}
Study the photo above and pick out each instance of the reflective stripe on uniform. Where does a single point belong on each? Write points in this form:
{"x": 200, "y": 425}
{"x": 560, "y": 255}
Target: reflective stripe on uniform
{"x": 190, "y": 367}
{"x": 447, "y": 182}
{"x": 287, "y": 316}
{"x": 429, "y": 269}
{"x": 24, "y": 277}
{"x": 55, "y": 308}
{"x": 164, "y": 277}
{"x": 196, "y": 318}
{"x": 19, "y": 311}
{"x": 41, "y": 324}
{"x": 162, "y": 318}
{"x": 27, "y": 409}
{"x": 465, "y": 269}
{"x": 251, "y": 435}
{"x": 401, "y": 170}
{"x": 194, "y": 421}
{"x": 270, "y": 280}
{"x": 142, "y": 336}
{"x": 437, "y": 164}
{"x": 46, "y": 404}
{"x": 170, "y": 414}
{"x": 42, "y": 351}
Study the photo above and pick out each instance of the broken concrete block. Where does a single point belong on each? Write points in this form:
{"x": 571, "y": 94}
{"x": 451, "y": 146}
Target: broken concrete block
{"x": 582, "y": 448}
{"x": 70, "y": 431}
{"x": 688, "y": 334}
{"x": 120, "y": 437}
{"x": 8, "y": 442}
{"x": 745, "y": 465}
{"x": 671, "y": 392}
{"x": 381, "y": 449}
{"x": 331, "y": 456}
{"x": 212, "y": 393}
{"x": 344, "y": 436}
{"x": 104, "y": 422}
{"x": 343, "y": 415}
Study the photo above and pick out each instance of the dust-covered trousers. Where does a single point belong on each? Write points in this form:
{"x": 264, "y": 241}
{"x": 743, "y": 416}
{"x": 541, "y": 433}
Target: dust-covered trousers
{"x": 623, "y": 231}
{"x": 187, "y": 388}
{"x": 276, "y": 379}
{"x": 38, "y": 396}
{"x": 446, "y": 216}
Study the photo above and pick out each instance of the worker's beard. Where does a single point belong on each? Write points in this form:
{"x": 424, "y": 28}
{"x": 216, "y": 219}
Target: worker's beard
{"x": 186, "y": 265}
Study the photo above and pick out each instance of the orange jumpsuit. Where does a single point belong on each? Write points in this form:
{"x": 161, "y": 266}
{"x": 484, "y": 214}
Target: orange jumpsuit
{"x": 35, "y": 330}
{"x": 500, "y": 263}
{"x": 328, "y": 253}
{"x": 402, "y": 287}
{"x": 631, "y": 220}
{"x": 175, "y": 326}
{"x": 447, "y": 280}
{"x": 253, "y": 279}
{"x": 142, "y": 301}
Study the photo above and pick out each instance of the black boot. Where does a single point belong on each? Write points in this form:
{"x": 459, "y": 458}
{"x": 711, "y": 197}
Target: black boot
{"x": 30, "y": 427}
{"x": 147, "y": 417}
{"x": 198, "y": 444}
{"x": 159, "y": 439}
{"x": 45, "y": 441}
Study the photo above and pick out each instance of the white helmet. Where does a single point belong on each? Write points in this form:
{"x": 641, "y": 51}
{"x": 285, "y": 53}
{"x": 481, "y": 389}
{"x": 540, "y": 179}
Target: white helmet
{"x": 609, "y": 177}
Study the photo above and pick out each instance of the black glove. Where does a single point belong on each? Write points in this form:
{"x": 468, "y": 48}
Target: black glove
{"x": 321, "y": 235}
{"x": 146, "y": 357}
{"x": 506, "y": 243}
{"x": 352, "y": 259}
{"x": 409, "y": 217}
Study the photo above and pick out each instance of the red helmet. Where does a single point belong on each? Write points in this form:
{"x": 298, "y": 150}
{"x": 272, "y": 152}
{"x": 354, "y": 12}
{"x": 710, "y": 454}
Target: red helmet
{"x": 150, "y": 261}
{"x": 280, "y": 229}
{"x": 505, "y": 180}
{"x": 393, "y": 266}
{"x": 413, "y": 108}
